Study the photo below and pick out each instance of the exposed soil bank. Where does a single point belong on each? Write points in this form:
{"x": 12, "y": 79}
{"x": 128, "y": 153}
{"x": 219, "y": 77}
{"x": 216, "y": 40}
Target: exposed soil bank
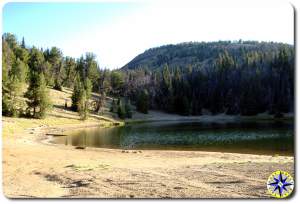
{"x": 162, "y": 116}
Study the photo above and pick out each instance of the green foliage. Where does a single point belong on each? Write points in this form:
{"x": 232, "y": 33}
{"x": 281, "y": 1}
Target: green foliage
{"x": 92, "y": 71}
{"x": 103, "y": 87}
{"x": 167, "y": 79}
{"x": 21, "y": 65}
{"x": 114, "y": 106}
{"x": 55, "y": 59}
{"x": 19, "y": 70}
{"x": 14, "y": 73}
{"x": 195, "y": 53}
{"x": 121, "y": 110}
{"x": 80, "y": 97}
{"x": 57, "y": 85}
{"x": 11, "y": 40}
{"x": 77, "y": 92}
{"x": 23, "y": 45}
{"x": 83, "y": 105}
{"x": 88, "y": 87}
{"x": 22, "y": 54}
{"x": 47, "y": 70}
{"x": 36, "y": 60}
{"x": 243, "y": 77}
{"x": 122, "y": 107}
{"x": 16, "y": 83}
{"x": 220, "y": 77}
{"x": 143, "y": 102}
{"x": 38, "y": 96}
{"x": 5, "y": 106}
{"x": 70, "y": 70}
{"x": 12, "y": 98}
{"x": 117, "y": 82}
{"x": 86, "y": 69}
{"x": 8, "y": 59}
{"x": 167, "y": 89}
{"x": 43, "y": 93}
{"x": 128, "y": 109}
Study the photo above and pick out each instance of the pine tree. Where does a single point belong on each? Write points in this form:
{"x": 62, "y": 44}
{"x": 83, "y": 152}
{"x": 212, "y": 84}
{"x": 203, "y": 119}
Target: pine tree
{"x": 70, "y": 70}
{"x": 76, "y": 94}
{"x": 167, "y": 78}
{"x": 38, "y": 96}
{"x": 128, "y": 110}
{"x": 43, "y": 93}
{"x": 83, "y": 105}
{"x": 117, "y": 82}
{"x": 13, "y": 96}
{"x": 88, "y": 88}
{"x": 23, "y": 43}
{"x": 14, "y": 72}
{"x": 56, "y": 61}
{"x": 8, "y": 59}
{"x": 80, "y": 97}
{"x": 17, "y": 77}
{"x": 143, "y": 102}
{"x": 121, "y": 109}
{"x": 91, "y": 67}
{"x": 114, "y": 106}
{"x": 36, "y": 60}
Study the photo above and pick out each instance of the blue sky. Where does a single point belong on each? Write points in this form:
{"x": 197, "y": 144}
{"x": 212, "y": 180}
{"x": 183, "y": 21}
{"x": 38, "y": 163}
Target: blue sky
{"x": 45, "y": 22}
{"x": 117, "y": 32}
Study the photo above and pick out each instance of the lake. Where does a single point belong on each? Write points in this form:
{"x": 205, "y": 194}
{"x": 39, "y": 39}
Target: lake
{"x": 241, "y": 137}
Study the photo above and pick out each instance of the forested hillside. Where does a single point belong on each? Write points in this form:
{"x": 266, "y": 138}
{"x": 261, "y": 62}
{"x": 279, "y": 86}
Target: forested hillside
{"x": 220, "y": 77}
{"x": 244, "y": 78}
{"x": 197, "y": 54}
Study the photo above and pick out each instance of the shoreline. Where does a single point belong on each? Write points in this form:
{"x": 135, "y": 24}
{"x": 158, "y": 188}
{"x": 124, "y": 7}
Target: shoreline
{"x": 221, "y": 118}
{"x": 158, "y": 116}
{"x": 63, "y": 171}
{"x": 48, "y": 139}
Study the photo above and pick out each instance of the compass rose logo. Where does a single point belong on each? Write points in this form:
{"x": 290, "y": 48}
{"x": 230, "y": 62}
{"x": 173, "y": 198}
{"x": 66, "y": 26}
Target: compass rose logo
{"x": 280, "y": 184}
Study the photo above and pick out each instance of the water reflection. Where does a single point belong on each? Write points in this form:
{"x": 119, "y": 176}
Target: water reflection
{"x": 259, "y": 138}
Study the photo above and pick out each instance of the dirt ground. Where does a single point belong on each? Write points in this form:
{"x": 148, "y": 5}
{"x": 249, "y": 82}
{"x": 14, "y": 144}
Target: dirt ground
{"x": 35, "y": 168}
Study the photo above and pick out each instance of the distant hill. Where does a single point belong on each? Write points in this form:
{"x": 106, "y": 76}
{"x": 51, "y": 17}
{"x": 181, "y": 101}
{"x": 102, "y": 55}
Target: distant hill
{"x": 197, "y": 53}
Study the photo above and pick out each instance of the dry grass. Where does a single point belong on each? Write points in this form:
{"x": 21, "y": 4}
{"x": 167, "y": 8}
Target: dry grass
{"x": 57, "y": 116}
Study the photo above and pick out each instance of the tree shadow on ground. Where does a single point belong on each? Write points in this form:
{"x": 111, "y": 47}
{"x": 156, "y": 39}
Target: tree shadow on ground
{"x": 62, "y": 116}
{"x": 69, "y": 109}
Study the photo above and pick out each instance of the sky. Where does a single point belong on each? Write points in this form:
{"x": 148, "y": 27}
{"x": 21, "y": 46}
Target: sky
{"x": 118, "y": 31}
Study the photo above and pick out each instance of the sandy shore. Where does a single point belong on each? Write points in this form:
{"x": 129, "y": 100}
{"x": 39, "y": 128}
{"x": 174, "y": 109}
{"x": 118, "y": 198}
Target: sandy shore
{"x": 34, "y": 168}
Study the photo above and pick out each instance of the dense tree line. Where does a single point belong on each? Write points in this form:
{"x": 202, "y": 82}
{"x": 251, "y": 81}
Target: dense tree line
{"x": 27, "y": 72}
{"x": 21, "y": 68}
{"x": 244, "y": 78}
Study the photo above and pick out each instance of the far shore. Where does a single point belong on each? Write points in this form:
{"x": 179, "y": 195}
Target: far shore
{"x": 156, "y": 116}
